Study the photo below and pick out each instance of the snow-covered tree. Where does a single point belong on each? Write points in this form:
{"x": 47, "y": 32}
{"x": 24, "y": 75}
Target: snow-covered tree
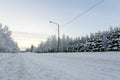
{"x": 115, "y": 40}
{"x": 6, "y": 42}
{"x": 51, "y": 45}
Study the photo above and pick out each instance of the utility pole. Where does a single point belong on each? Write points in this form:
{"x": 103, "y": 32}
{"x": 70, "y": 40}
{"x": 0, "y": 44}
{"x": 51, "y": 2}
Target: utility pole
{"x": 58, "y": 38}
{"x": 58, "y": 34}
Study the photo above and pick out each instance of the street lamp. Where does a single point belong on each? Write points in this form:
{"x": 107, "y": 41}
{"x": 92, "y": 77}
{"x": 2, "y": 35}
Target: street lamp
{"x": 58, "y": 34}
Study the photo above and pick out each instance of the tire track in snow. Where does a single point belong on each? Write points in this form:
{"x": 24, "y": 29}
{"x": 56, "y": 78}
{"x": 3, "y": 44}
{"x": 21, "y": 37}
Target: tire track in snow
{"x": 12, "y": 67}
{"x": 40, "y": 71}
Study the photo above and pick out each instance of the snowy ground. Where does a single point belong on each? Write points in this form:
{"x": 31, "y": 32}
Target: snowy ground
{"x": 75, "y": 66}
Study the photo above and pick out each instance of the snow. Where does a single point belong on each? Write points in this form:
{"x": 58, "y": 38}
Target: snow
{"x": 60, "y": 66}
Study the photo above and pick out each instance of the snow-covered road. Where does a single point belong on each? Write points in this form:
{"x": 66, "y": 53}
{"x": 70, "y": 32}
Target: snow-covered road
{"x": 75, "y": 66}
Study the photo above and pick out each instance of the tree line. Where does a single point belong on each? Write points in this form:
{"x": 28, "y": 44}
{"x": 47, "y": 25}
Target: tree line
{"x": 95, "y": 42}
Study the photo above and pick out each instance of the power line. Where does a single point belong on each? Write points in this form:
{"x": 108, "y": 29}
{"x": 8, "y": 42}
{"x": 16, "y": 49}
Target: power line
{"x": 81, "y": 14}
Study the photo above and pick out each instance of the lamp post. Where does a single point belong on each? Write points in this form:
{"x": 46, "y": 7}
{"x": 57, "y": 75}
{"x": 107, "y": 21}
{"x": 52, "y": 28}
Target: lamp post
{"x": 58, "y": 34}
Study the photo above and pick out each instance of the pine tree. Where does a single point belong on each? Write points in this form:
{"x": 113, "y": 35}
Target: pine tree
{"x": 115, "y": 40}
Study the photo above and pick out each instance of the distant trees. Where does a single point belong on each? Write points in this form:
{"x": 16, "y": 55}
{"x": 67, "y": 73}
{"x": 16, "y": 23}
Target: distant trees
{"x": 6, "y": 42}
{"x": 51, "y": 45}
{"x": 95, "y": 42}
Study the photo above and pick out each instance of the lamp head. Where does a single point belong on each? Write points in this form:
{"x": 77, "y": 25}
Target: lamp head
{"x": 50, "y": 22}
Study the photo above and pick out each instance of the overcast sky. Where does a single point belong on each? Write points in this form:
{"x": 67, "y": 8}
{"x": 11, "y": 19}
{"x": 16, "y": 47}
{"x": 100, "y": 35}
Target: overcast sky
{"x": 32, "y": 16}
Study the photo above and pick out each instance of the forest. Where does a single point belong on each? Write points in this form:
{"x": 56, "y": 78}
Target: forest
{"x": 100, "y": 41}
